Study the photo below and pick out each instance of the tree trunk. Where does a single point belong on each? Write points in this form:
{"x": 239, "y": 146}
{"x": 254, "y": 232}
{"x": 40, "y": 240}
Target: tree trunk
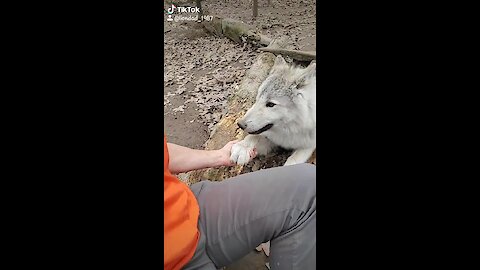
{"x": 255, "y": 8}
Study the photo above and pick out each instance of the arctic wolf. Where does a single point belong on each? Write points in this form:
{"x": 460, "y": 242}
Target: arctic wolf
{"x": 283, "y": 115}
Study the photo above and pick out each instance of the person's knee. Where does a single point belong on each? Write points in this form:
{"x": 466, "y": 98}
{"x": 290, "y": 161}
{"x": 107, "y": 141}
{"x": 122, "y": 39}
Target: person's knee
{"x": 302, "y": 187}
{"x": 305, "y": 171}
{"x": 309, "y": 170}
{"x": 306, "y": 178}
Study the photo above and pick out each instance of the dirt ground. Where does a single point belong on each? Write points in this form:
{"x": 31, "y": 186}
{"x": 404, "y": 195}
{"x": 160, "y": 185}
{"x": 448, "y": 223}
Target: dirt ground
{"x": 201, "y": 71}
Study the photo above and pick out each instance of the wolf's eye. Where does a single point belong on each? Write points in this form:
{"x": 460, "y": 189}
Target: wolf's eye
{"x": 270, "y": 104}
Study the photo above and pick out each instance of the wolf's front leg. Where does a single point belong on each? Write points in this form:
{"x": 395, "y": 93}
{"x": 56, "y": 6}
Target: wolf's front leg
{"x": 299, "y": 156}
{"x": 242, "y": 152}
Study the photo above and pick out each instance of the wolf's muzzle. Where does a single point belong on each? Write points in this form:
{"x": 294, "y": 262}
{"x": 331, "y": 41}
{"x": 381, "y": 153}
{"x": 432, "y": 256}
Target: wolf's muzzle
{"x": 241, "y": 125}
{"x": 265, "y": 128}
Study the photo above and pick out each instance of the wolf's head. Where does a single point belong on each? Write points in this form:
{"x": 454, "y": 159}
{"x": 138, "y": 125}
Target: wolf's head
{"x": 282, "y": 98}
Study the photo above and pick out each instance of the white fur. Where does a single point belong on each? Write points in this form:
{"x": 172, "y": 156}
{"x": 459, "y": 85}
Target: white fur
{"x": 293, "y": 118}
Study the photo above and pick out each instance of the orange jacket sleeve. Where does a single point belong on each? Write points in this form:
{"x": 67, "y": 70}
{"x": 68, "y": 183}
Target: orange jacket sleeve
{"x": 180, "y": 219}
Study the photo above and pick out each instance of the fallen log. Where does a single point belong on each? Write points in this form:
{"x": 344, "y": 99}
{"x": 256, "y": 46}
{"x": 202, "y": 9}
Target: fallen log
{"x": 294, "y": 54}
{"x": 235, "y": 30}
{"x": 241, "y": 33}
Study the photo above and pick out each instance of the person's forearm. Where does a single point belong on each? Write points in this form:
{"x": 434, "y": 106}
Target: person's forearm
{"x": 184, "y": 159}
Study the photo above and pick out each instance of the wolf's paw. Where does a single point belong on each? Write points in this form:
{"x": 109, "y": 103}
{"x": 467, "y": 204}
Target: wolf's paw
{"x": 291, "y": 162}
{"x": 299, "y": 156}
{"x": 241, "y": 154}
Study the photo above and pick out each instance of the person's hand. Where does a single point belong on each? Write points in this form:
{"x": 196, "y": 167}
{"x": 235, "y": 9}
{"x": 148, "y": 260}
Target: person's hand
{"x": 224, "y": 154}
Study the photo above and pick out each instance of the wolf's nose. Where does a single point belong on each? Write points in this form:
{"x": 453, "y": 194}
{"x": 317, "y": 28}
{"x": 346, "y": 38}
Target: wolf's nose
{"x": 241, "y": 125}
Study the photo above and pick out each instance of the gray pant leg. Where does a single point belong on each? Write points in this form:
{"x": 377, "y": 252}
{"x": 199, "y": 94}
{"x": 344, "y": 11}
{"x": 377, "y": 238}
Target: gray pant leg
{"x": 200, "y": 259}
{"x": 237, "y": 214}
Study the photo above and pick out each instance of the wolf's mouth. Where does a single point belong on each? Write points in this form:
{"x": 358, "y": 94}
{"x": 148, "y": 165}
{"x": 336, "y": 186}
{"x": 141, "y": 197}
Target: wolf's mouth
{"x": 265, "y": 128}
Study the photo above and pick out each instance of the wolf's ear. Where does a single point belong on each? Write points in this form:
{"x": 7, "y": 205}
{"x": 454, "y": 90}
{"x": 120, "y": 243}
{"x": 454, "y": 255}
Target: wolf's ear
{"x": 307, "y": 73}
{"x": 311, "y": 69}
{"x": 279, "y": 63}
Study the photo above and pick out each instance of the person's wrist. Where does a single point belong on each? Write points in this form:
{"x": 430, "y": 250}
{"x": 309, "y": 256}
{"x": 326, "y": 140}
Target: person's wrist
{"x": 216, "y": 158}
